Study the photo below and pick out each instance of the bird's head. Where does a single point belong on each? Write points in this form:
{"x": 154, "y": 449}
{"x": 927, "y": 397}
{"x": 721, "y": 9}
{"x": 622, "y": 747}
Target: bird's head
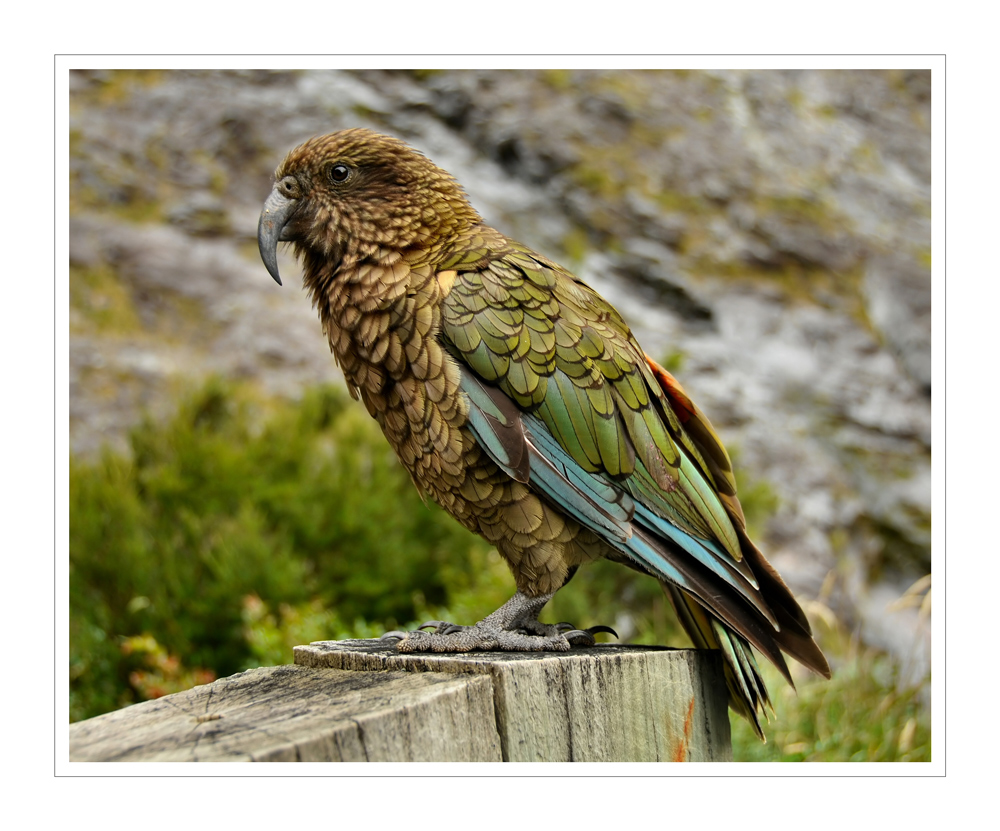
{"x": 356, "y": 194}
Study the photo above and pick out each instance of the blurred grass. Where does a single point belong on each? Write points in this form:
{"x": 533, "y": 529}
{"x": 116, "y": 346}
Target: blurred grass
{"x": 245, "y": 526}
{"x": 863, "y": 714}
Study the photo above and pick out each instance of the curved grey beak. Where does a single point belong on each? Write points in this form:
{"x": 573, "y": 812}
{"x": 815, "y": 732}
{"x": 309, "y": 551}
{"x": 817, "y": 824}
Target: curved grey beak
{"x": 278, "y": 210}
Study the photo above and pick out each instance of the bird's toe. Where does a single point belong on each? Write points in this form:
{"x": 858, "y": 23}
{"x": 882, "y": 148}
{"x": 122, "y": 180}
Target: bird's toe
{"x": 580, "y": 637}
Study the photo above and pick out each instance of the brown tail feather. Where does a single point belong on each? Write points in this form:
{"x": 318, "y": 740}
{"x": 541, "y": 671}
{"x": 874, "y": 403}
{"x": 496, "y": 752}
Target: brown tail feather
{"x": 795, "y": 634}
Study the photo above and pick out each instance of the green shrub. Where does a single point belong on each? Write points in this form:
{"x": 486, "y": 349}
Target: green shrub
{"x": 295, "y": 503}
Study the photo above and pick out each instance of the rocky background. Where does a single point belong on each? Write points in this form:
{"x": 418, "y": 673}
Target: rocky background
{"x": 766, "y": 234}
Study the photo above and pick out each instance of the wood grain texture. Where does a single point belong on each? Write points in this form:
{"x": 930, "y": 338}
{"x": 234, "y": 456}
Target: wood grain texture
{"x": 296, "y": 713}
{"x": 600, "y": 704}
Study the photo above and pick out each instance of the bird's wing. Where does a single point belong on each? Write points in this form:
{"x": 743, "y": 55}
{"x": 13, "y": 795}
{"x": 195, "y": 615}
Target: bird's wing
{"x": 564, "y": 356}
{"x": 562, "y": 353}
{"x": 562, "y": 396}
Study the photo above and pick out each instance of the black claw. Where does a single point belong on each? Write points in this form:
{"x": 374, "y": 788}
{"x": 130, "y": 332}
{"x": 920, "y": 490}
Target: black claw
{"x": 435, "y": 624}
{"x": 395, "y": 635}
{"x": 565, "y": 627}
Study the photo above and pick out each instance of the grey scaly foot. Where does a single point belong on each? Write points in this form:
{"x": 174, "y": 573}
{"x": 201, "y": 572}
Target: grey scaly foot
{"x": 440, "y": 627}
{"x": 514, "y": 627}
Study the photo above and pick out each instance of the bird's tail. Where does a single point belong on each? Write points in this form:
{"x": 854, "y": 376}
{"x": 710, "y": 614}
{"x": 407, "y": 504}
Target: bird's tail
{"x": 747, "y": 693}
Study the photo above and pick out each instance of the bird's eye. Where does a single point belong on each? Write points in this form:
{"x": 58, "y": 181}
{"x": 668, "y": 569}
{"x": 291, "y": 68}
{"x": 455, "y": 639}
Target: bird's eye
{"x": 339, "y": 173}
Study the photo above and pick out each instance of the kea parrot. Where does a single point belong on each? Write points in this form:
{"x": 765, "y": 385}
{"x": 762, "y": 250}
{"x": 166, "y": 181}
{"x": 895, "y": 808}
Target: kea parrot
{"x": 519, "y": 400}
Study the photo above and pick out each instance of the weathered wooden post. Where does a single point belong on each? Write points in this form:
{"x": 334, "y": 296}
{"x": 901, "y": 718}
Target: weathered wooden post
{"x": 357, "y": 701}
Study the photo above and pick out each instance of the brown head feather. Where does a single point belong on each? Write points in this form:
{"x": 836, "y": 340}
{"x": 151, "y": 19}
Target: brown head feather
{"x": 391, "y": 197}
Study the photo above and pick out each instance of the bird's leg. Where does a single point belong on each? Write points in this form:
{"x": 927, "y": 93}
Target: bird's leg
{"x": 514, "y": 627}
